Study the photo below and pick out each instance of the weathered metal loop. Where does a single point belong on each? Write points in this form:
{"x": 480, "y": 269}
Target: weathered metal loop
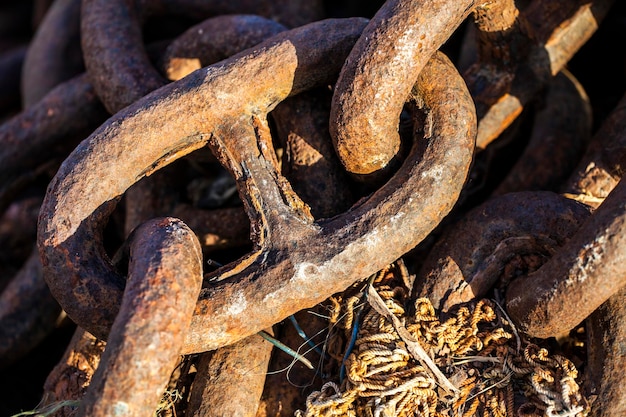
{"x": 69, "y": 379}
{"x": 469, "y": 258}
{"x": 164, "y": 279}
{"x": 587, "y": 271}
{"x": 54, "y": 54}
{"x": 230, "y": 380}
{"x": 307, "y": 263}
{"x": 206, "y": 43}
{"x": 561, "y": 131}
{"x": 28, "y": 312}
{"x": 547, "y": 38}
{"x": 46, "y": 130}
{"x": 602, "y": 166}
{"x": 577, "y": 279}
{"x": 595, "y": 177}
{"x": 606, "y": 341}
{"x": 378, "y": 76}
{"x": 114, "y": 54}
{"x": 213, "y": 40}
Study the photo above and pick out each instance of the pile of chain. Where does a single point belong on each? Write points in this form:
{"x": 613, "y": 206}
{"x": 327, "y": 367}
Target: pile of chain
{"x": 184, "y": 184}
{"x": 476, "y": 346}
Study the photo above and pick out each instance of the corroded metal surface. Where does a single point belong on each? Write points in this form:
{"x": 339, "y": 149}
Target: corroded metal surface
{"x": 577, "y": 279}
{"x": 54, "y": 54}
{"x": 230, "y": 380}
{"x": 49, "y": 128}
{"x": 69, "y": 379}
{"x": 164, "y": 279}
{"x": 367, "y": 101}
{"x": 115, "y": 57}
{"x": 28, "y": 312}
{"x": 239, "y": 145}
{"x": 471, "y": 256}
{"x": 337, "y": 250}
{"x": 213, "y": 40}
{"x": 553, "y": 33}
{"x": 561, "y": 131}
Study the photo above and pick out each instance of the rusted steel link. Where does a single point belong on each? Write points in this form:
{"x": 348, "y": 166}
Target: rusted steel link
{"x": 561, "y": 131}
{"x": 113, "y": 49}
{"x": 10, "y": 72}
{"x": 28, "y": 312}
{"x": 230, "y": 380}
{"x": 164, "y": 279}
{"x": 213, "y": 40}
{"x": 50, "y": 128}
{"x": 310, "y": 164}
{"x": 470, "y": 256}
{"x": 558, "y": 31}
{"x": 606, "y": 344}
{"x": 579, "y": 278}
{"x": 378, "y": 76}
{"x": 69, "y": 379}
{"x": 293, "y": 258}
{"x": 596, "y": 176}
{"x": 499, "y": 28}
{"x": 54, "y": 54}
{"x": 602, "y": 166}
{"x": 309, "y": 160}
{"x": 153, "y": 196}
{"x": 206, "y": 43}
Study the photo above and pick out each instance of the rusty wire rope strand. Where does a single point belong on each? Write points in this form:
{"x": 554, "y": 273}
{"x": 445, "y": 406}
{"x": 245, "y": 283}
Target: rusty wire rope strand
{"x": 54, "y": 54}
{"x": 111, "y": 38}
{"x": 165, "y": 276}
{"x": 308, "y": 272}
{"x": 473, "y": 344}
{"x": 379, "y": 73}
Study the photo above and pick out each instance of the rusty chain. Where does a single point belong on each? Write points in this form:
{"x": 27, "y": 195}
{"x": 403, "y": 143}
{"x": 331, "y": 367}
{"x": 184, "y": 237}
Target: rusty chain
{"x": 305, "y": 154}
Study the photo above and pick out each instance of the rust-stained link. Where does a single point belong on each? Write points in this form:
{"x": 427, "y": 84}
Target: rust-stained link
{"x": 296, "y": 263}
{"x": 164, "y": 279}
